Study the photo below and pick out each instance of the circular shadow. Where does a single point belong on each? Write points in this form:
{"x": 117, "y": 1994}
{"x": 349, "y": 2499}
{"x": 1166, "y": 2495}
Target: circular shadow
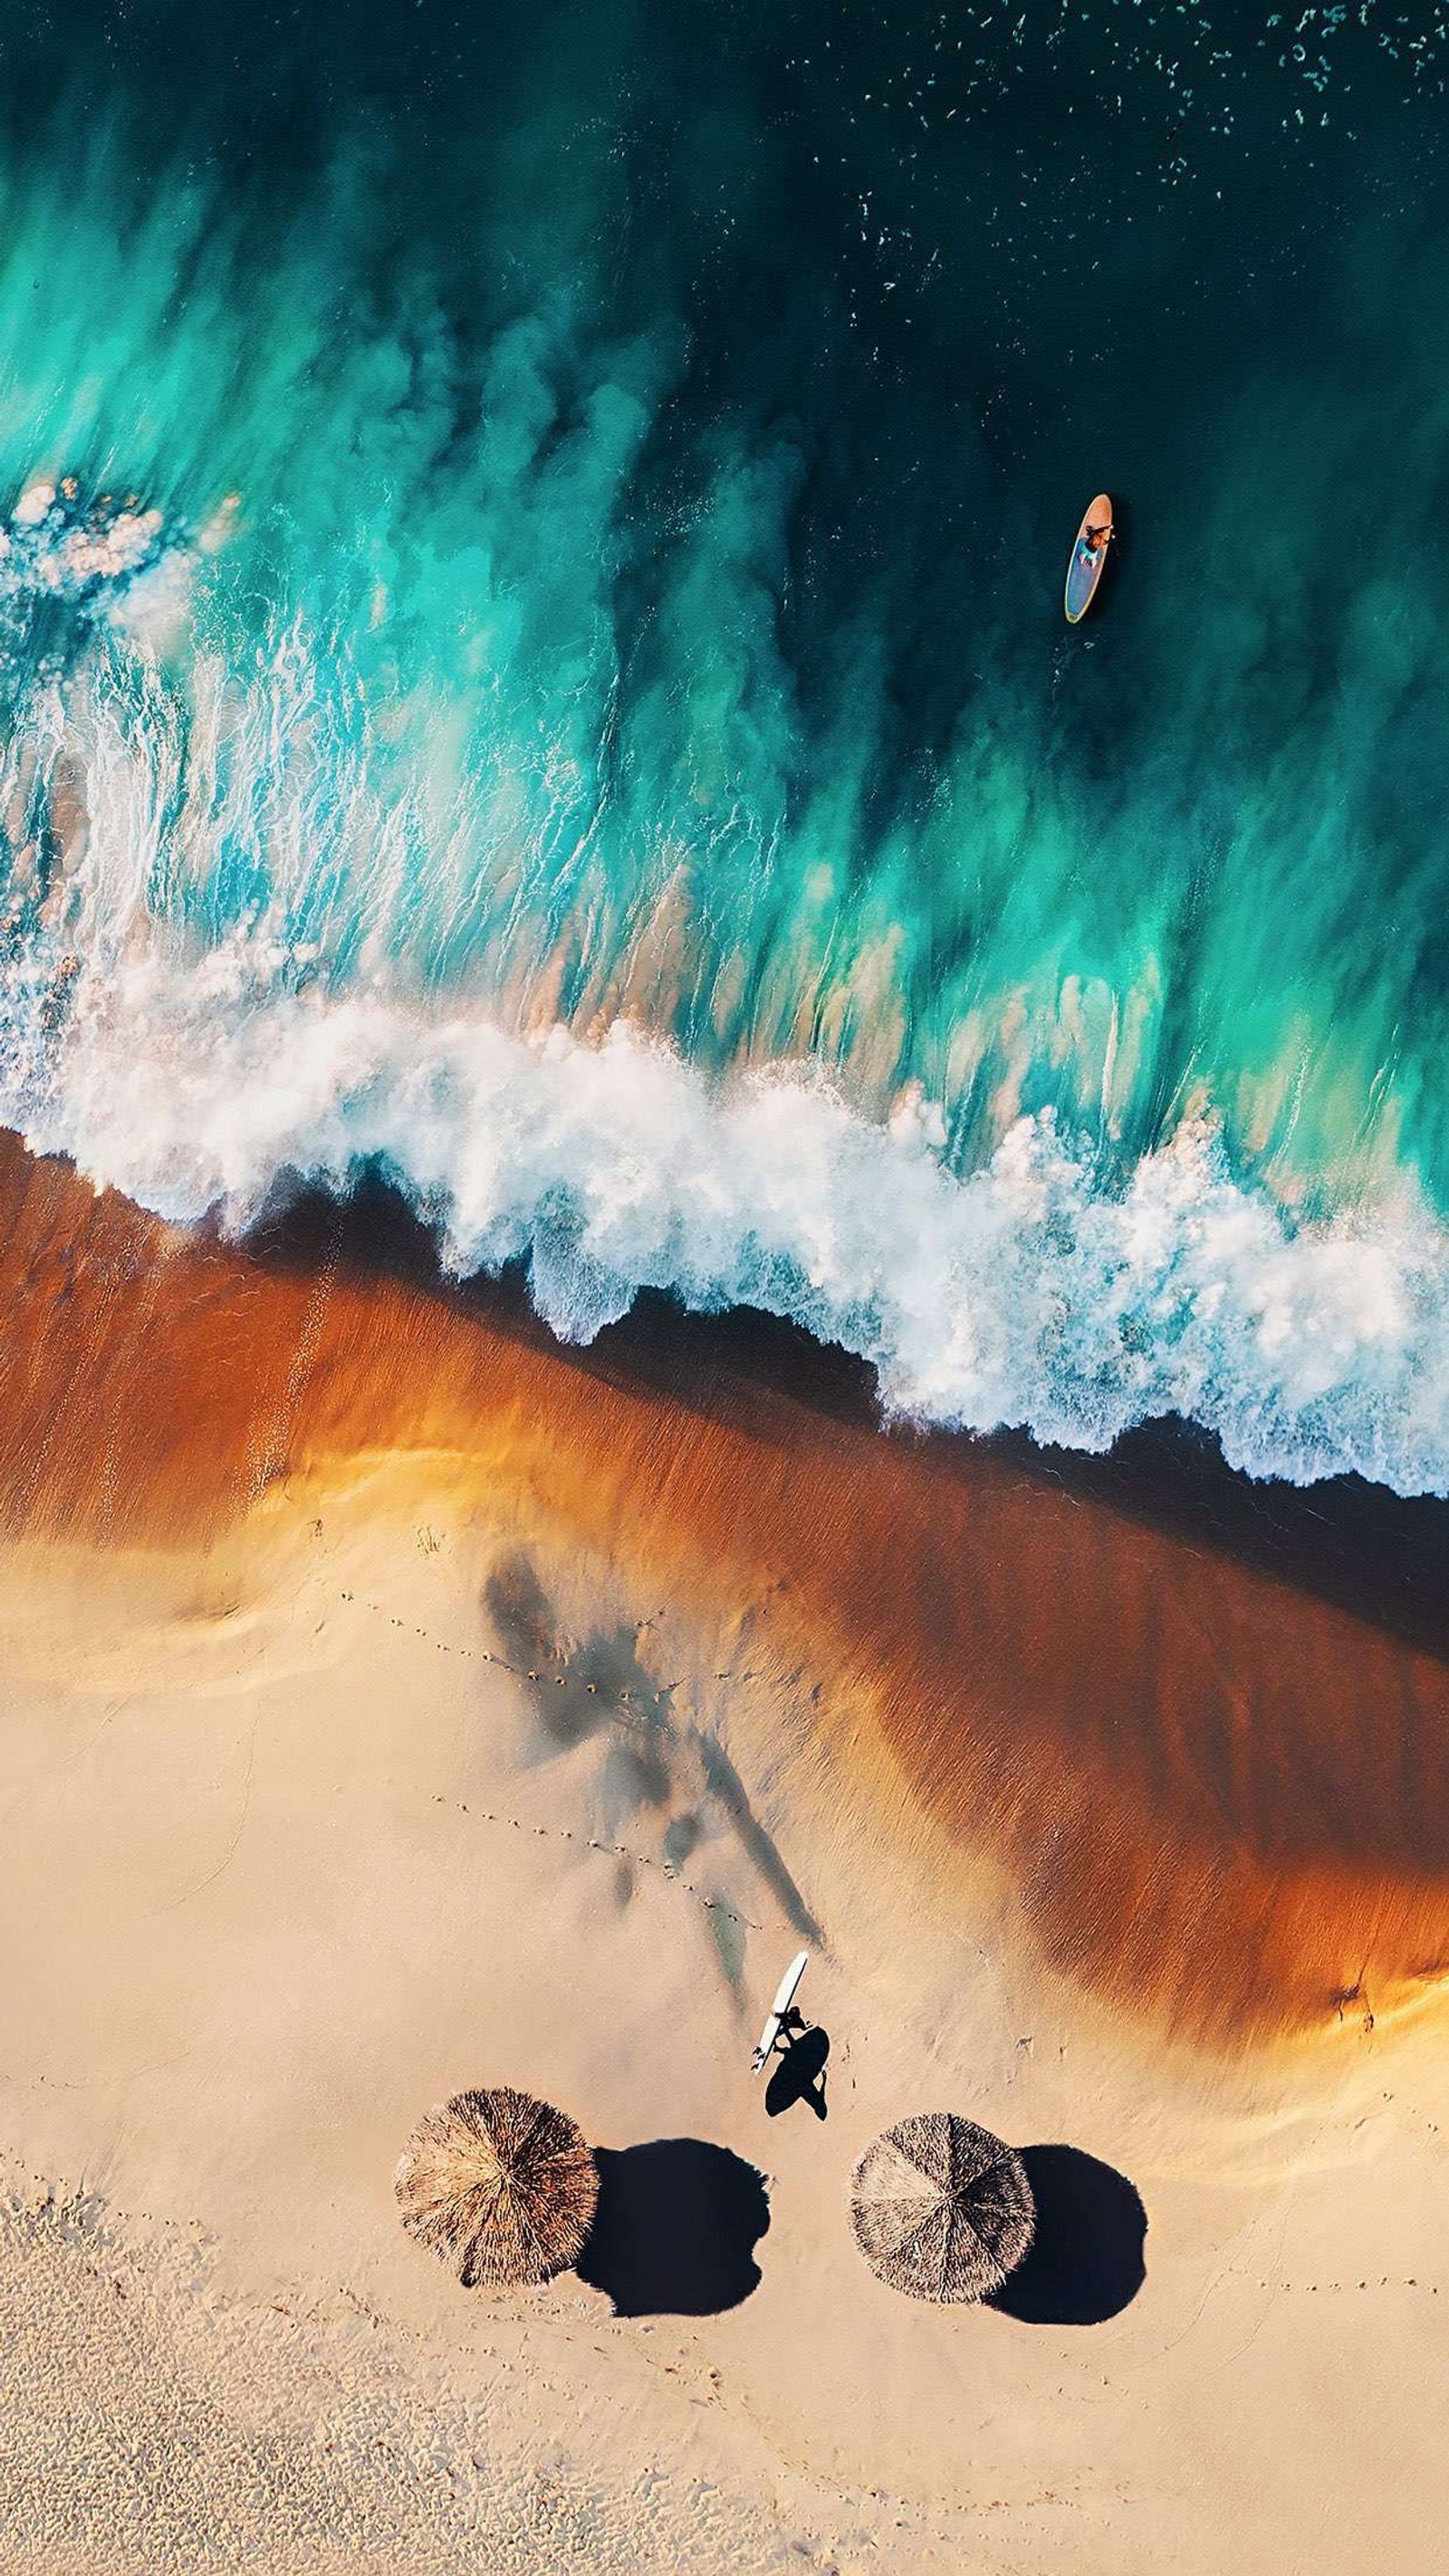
{"x": 1087, "y": 2258}
{"x": 675, "y": 2229}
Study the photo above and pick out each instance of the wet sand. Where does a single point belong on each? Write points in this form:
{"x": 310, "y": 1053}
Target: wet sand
{"x": 1209, "y": 1766}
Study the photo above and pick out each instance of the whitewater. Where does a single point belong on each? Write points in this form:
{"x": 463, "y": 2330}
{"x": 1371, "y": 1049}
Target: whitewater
{"x": 199, "y": 1073}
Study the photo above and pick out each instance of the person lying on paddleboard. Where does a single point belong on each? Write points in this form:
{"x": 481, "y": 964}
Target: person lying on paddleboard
{"x": 1094, "y": 539}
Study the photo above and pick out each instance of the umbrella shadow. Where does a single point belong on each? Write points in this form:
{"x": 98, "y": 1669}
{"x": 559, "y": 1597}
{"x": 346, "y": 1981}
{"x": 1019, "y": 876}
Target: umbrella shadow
{"x": 1087, "y": 2258}
{"x": 800, "y": 2075}
{"x": 675, "y": 2229}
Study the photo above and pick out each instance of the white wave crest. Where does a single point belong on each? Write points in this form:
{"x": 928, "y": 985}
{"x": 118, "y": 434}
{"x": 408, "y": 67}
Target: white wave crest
{"x": 1021, "y": 1295}
{"x": 55, "y": 544}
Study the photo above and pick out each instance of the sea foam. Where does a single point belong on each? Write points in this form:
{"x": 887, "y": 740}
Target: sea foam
{"x": 195, "y": 1052}
{"x": 1021, "y": 1294}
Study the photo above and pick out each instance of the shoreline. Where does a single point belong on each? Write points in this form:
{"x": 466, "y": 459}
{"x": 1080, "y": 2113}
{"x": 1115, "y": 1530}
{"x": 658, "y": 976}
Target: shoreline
{"x": 1380, "y": 1556}
{"x": 1218, "y": 1795}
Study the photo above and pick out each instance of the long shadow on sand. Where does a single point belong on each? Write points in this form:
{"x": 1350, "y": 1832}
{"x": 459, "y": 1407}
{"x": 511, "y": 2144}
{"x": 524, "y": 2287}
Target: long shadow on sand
{"x": 675, "y": 2229}
{"x": 657, "y": 1759}
{"x": 1087, "y": 2259}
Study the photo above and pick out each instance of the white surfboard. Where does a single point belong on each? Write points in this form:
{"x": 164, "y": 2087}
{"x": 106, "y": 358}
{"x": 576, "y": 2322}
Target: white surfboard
{"x": 785, "y": 1994}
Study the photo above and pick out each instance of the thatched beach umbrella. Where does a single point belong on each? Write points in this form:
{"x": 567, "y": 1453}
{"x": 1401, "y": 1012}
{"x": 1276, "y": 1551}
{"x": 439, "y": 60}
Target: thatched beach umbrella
{"x": 500, "y": 2186}
{"x": 941, "y": 2209}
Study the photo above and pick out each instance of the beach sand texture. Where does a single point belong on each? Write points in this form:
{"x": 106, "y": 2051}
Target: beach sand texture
{"x": 395, "y": 1703}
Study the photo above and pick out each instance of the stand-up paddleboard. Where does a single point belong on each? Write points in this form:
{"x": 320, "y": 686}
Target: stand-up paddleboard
{"x": 785, "y": 1994}
{"x": 1085, "y": 569}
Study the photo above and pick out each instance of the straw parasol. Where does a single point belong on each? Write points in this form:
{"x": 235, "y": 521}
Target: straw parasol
{"x": 500, "y": 2186}
{"x": 941, "y": 2209}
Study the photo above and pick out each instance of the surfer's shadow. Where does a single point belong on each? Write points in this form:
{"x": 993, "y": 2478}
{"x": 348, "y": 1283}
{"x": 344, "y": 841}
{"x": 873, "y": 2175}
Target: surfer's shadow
{"x": 800, "y": 2076}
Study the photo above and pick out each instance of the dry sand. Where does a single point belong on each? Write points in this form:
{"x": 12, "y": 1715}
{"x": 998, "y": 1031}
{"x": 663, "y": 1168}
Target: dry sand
{"x": 1092, "y": 1826}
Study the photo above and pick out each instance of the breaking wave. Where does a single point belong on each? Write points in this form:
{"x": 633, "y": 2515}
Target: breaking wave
{"x": 531, "y": 658}
{"x": 1051, "y": 1287}
{"x": 1044, "y": 1289}
{"x": 1020, "y": 1295}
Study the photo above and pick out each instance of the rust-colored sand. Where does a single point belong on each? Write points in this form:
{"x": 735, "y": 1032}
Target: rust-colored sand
{"x": 1224, "y": 1802}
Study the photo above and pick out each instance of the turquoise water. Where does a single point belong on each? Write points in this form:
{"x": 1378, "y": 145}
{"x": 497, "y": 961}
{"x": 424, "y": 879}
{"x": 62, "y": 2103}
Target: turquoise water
{"x": 531, "y": 653}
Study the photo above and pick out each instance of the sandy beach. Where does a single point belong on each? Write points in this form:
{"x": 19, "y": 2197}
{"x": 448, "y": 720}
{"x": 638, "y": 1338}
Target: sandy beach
{"x": 395, "y": 1702}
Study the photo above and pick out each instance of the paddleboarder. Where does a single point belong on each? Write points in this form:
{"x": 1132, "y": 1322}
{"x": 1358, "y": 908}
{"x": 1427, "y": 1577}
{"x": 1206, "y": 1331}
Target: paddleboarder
{"x": 1087, "y": 560}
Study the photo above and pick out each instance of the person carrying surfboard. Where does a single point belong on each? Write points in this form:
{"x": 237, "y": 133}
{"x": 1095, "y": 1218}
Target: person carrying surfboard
{"x": 782, "y": 2017}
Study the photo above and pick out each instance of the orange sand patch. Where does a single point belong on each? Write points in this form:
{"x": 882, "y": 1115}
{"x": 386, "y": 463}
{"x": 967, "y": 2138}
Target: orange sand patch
{"x": 1223, "y": 1803}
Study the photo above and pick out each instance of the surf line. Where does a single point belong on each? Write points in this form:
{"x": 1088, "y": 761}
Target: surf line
{"x": 559, "y": 1833}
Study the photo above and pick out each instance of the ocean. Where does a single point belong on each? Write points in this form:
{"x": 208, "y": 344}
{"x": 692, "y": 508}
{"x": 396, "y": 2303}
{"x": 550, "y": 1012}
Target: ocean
{"x": 532, "y": 665}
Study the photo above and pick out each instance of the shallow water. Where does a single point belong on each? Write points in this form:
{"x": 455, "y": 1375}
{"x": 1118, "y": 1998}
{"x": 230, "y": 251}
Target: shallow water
{"x": 578, "y": 709}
